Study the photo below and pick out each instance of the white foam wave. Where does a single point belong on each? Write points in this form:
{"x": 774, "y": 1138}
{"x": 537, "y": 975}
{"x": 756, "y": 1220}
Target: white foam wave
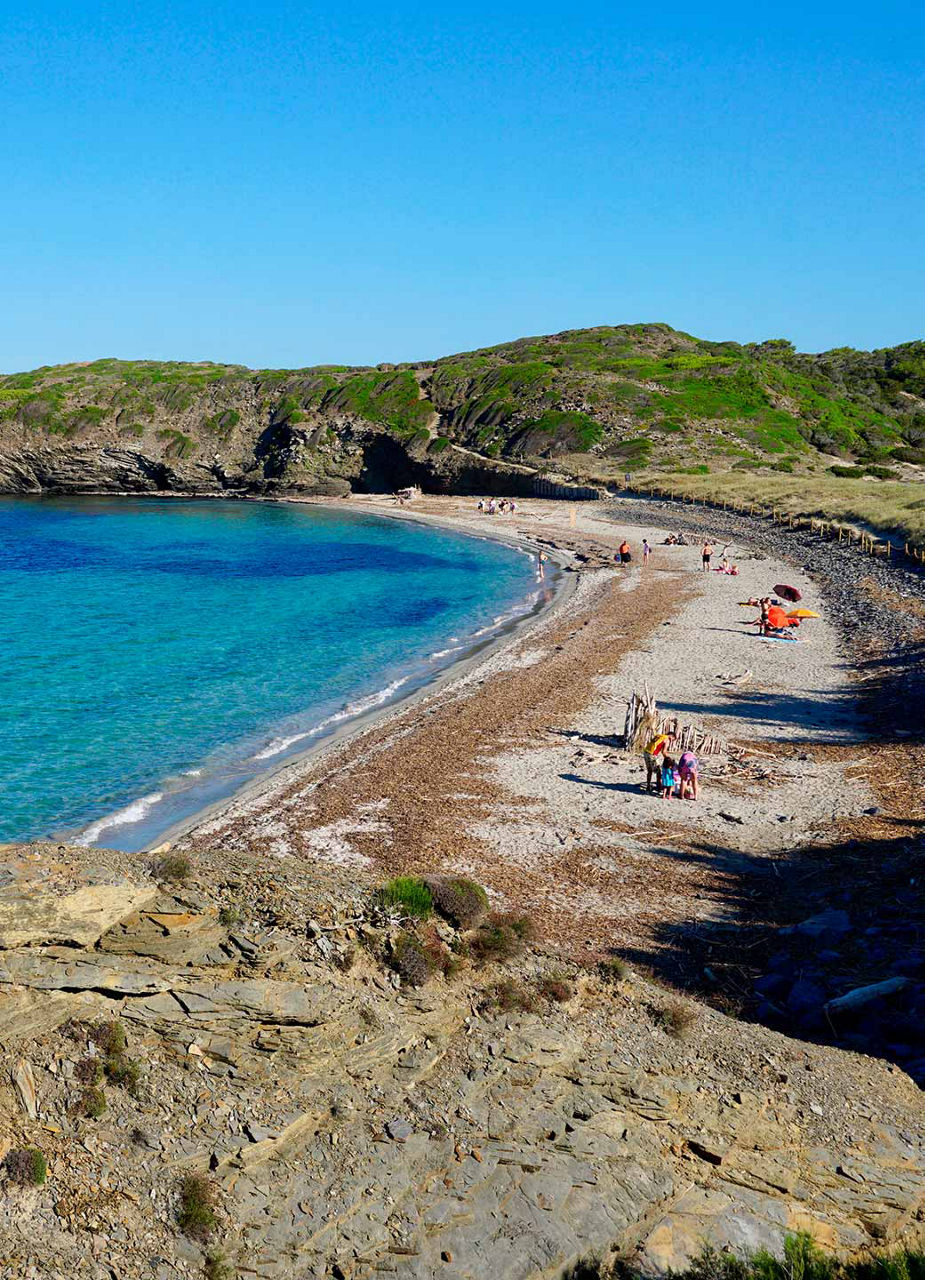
{"x": 349, "y": 712}
{"x": 443, "y": 653}
{"x": 133, "y": 812}
{"x": 280, "y": 744}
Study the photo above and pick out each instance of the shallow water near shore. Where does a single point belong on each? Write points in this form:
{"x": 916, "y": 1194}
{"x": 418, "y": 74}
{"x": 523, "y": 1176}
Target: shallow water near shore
{"x": 159, "y": 654}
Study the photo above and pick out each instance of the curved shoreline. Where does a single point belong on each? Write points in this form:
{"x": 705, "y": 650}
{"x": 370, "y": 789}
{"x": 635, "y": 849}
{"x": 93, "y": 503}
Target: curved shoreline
{"x": 562, "y": 587}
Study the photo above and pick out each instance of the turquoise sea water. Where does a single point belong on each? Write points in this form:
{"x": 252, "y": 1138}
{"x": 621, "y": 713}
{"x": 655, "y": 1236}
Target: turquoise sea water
{"x": 159, "y": 653}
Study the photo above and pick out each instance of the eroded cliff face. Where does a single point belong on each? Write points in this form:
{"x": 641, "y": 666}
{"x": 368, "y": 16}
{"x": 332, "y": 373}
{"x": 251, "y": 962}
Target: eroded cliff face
{"x": 138, "y": 429}
{"x": 356, "y": 458}
{"x": 351, "y": 1126}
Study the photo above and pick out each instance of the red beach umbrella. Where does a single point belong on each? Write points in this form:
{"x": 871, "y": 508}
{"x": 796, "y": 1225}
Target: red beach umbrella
{"x": 788, "y": 593}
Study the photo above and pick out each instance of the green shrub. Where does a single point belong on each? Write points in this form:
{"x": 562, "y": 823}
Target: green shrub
{"x": 173, "y": 868}
{"x": 124, "y": 1071}
{"x": 409, "y": 894}
{"x": 26, "y": 1167}
{"x": 228, "y": 916}
{"x": 196, "y": 1212}
{"x": 92, "y": 1103}
{"x": 178, "y": 445}
{"x": 110, "y": 1036}
{"x": 217, "y": 1267}
{"x": 501, "y": 937}
{"x": 462, "y": 902}
{"x": 845, "y": 473}
{"x": 882, "y": 473}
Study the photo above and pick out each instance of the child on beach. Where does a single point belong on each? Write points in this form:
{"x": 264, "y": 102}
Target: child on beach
{"x": 646, "y": 549}
{"x": 669, "y": 777}
{"x": 687, "y": 773}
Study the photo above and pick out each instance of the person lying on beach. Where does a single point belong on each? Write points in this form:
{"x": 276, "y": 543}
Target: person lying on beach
{"x": 687, "y": 774}
{"x": 650, "y": 754}
{"x": 669, "y": 777}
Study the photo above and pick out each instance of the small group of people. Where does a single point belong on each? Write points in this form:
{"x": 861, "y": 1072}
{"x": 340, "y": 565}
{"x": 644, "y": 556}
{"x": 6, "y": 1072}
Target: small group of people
{"x": 670, "y": 777}
{"x": 491, "y": 507}
{"x": 624, "y": 553}
{"x": 675, "y": 540}
{"x": 707, "y": 551}
{"x": 773, "y": 619}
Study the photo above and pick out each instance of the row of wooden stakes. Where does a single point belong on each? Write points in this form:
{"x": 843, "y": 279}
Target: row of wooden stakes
{"x": 829, "y": 529}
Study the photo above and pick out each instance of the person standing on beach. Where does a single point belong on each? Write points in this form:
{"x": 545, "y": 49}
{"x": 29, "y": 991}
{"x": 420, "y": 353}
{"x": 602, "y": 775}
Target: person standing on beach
{"x": 706, "y": 553}
{"x": 656, "y": 747}
{"x": 646, "y": 549}
{"x": 624, "y": 552}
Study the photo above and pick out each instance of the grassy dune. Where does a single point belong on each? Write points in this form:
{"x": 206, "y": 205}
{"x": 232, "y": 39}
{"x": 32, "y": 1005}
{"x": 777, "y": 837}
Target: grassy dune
{"x": 890, "y": 508}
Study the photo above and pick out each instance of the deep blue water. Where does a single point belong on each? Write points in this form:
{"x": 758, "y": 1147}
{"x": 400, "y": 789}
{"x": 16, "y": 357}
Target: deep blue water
{"x": 159, "y": 653}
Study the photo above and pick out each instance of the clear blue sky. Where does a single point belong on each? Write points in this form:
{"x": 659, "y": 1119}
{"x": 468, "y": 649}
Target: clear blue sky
{"x": 282, "y": 184}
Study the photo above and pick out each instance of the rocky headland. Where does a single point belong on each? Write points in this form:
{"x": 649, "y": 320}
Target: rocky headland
{"x": 585, "y": 404}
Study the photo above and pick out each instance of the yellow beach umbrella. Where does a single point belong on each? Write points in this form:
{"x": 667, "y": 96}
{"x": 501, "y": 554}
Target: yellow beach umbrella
{"x": 802, "y": 613}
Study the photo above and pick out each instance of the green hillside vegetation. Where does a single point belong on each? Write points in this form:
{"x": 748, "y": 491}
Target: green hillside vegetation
{"x": 590, "y": 403}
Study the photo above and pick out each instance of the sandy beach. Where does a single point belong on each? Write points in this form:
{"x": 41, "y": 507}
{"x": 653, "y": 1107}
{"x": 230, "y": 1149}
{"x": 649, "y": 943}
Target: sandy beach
{"x": 511, "y": 772}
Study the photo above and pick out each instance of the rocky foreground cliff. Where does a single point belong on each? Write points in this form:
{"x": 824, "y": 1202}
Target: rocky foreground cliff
{"x": 594, "y": 403}
{"x": 241, "y": 1076}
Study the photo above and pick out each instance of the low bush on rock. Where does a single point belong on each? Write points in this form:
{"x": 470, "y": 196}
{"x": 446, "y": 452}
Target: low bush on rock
{"x": 410, "y": 962}
{"x": 462, "y": 902}
{"x": 196, "y": 1212}
{"x": 802, "y": 1259}
{"x": 173, "y": 868}
{"x": 613, "y": 969}
{"x": 122, "y": 1070}
{"x": 510, "y": 997}
{"x": 556, "y": 990}
{"x": 409, "y": 895}
{"x": 89, "y": 1071}
{"x": 501, "y": 937}
{"x": 26, "y": 1167}
{"x": 92, "y": 1103}
{"x": 217, "y": 1267}
{"x": 110, "y": 1036}
{"x": 676, "y": 1018}
{"x": 440, "y": 958}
